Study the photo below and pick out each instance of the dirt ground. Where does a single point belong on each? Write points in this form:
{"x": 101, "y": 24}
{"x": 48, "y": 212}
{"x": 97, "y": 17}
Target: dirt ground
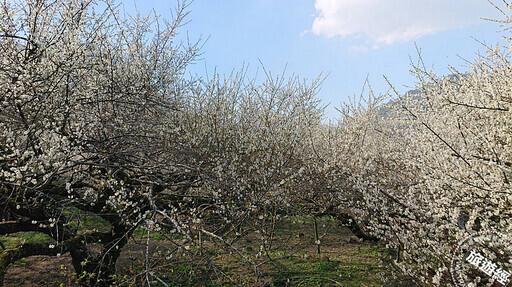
{"x": 40, "y": 271}
{"x": 292, "y": 261}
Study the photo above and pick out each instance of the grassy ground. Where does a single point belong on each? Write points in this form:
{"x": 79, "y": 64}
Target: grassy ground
{"x": 291, "y": 259}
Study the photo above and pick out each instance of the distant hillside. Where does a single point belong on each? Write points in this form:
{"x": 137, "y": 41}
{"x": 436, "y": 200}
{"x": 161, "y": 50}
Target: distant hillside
{"x": 412, "y": 95}
{"x": 385, "y": 109}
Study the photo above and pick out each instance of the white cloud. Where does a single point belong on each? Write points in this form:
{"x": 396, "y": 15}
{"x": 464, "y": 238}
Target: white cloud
{"x": 391, "y": 21}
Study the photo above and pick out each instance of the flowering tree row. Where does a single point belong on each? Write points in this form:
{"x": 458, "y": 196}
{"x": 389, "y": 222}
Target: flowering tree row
{"x": 432, "y": 167}
{"x": 97, "y": 120}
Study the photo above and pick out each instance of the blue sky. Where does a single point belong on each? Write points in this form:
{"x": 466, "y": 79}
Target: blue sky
{"x": 346, "y": 39}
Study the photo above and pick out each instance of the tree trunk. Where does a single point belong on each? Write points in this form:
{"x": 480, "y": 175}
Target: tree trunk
{"x": 99, "y": 270}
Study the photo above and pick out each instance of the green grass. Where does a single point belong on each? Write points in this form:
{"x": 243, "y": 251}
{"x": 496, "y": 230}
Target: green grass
{"x": 15, "y": 239}
{"x": 84, "y": 221}
{"x": 309, "y": 219}
{"x": 352, "y": 270}
{"x": 348, "y": 264}
{"x": 142, "y": 233}
{"x": 292, "y": 261}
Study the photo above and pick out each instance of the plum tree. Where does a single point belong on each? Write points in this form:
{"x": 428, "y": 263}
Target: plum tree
{"x": 99, "y": 121}
{"x": 430, "y": 167}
